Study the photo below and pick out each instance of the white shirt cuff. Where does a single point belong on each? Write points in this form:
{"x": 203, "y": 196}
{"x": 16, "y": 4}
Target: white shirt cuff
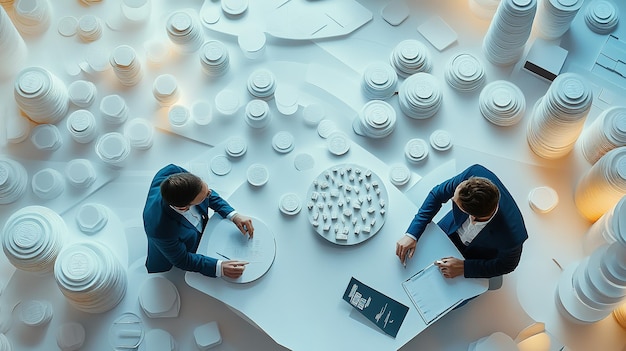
{"x": 218, "y": 269}
{"x": 231, "y": 215}
{"x": 411, "y": 236}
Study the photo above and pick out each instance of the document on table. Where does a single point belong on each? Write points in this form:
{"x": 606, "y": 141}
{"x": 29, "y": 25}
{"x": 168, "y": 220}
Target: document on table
{"x": 432, "y": 294}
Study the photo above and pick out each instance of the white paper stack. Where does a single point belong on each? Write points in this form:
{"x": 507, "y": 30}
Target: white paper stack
{"x": 126, "y": 65}
{"x": 559, "y": 116}
{"x": 257, "y": 114}
{"x": 82, "y": 126}
{"x": 399, "y": 174}
{"x": 509, "y": 30}
{"x": 420, "y": 96}
{"x": 379, "y": 81}
{"x": 555, "y": 16}
{"x": 32, "y": 238}
{"x": 32, "y": 17}
{"x": 409, "y": 57}
{"x": 262, "y": 84}
{"x": 607, "y": 132}
{"x": 602, "y": 16}
{"x": 90, "y": 277}
{"x": 46, "y": 137}
{"x": 603, "y": 185}
{"x": 92, "y": 217}
{"x": 82, "y": 93}
{"x": 165, "y": 90}
{"x": 502, "y": 103}
{"x": 113, "y": 109}
{"x": 606, "y": 229}
{"x": 159, "y": 298}
{"x": 41, "y": 95}
{"x": 113, "y": 149}
{"x": 236, "y": 146}
{"x": 185, "y": 30}
{"x": 13, "y": 180}
{"x": 377, "y": 119}
{"x": 140, "y": 133}
{"x": 80, "y": 173}
{"x": 214, "y": 58}
{"x": 283, "y": 142}
{"x": 34, "y": 313}
{"x": 416, "y": 150}
{"x": 89, "y": 28}
{"x": 465, "y": 73}
{"x": 12, "y": 46}
{"x": 48, "y": 184}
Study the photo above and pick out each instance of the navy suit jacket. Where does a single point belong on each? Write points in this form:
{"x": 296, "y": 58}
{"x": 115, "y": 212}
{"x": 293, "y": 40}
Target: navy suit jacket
{"x": 497, "y": 249}
{"x": 172, "y": 240}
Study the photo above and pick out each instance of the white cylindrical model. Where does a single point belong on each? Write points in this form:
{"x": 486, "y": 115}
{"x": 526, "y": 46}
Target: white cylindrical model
{"x": 465, "y": 73}
{"x": 509, "y": 30}
{"x": 606, "y": 133}
{"x": 379, "y": 81}
{"x": 48, "y": 183}
{"x": 32, "y": 16}
{"x": 603, "y": 185}
{"x": 165, "y": 90}
{"x": 606, "y": 230}
{"x": 140, "y": 133}
{"x": 502, "y": 103}
{"x": 46, "y": 137}
{"x": 262, "y": 84}
{"x": 252, "y": 43}
{"x": 90, "y": 276}
{"x": 113, "y": 149}
{"x": 559, "y": 116}
{"x": 377, "y": 119}
{"x": 82, "y": 93}
{"x": 32, "y": 238}
{"x": 126, "y": 65}
{"x": 13, "y": 180}
{"x": 409, "y": 57}
{"x": 420, "y": 96}
{"x": 185, "y": 31}
{"x": 602, "y": 16}
{"x": 89, "y": 28}
{"x": 258, "y": 114}
{"x": 80, "y": 173}
{"x": 555, "y": 16}
{"x": 214, "y": 58}
{"x": 12, "y": 46}
{"x": 286, "y": 98}
{"x": 40, "y": 95}
{"x": 82, "y": 126}
{"x": 113, "y": 109}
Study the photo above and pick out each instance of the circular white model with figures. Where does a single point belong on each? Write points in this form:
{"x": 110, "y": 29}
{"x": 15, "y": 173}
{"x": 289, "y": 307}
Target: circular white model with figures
{"x": 347, "y": 204}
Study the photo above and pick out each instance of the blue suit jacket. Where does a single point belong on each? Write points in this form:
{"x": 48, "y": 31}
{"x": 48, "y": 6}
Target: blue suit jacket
{"x": 172, "y": 240}
{"x": 498, "y": 247}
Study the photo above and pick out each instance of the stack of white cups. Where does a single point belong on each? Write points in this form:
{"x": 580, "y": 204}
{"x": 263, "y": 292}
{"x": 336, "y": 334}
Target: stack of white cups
{"x": 606, "y": 133}
{"x": 12, "y": 46}
{"x": 559, "y": 116}
{"x": 409, "y": 57}
{"x": 606, "y": 229}
{"x": 13, "y": 180}
{"x": 32, "y": 17}
{"x": 555, "y": 16}
{"x": 509, "y": 30}
{"x": 40, "y": 95}
{"x": 32, "y": 238}
{"x": 90, "y": 276}
{"x": 82, "y": 126}
{"x": 214, "y": 58}
{"x": 126, "y": 66}
{"x": 377, "y": 119}
{"x": 603, "y": 185}
{"x": 185, "y": 31}
{"x": 420, "y": 96}
{"x": 113, "y": 149}
{"x": 592, "y": 289}
{"x": 379, "y": 81}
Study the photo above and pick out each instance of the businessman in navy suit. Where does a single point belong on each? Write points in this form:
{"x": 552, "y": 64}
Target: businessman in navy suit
{"x": 174, "y": 218}
{"x": 485, "y": 224}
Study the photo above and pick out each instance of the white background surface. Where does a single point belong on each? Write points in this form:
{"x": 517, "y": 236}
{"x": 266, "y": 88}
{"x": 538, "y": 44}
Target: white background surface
{"x": 326, "y": 71}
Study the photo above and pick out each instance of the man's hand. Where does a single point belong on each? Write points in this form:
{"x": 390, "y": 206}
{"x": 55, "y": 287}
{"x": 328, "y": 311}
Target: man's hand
{"x": 405, "y": 248}
{"x": 451, "y": 267}
{"x": 233, "y": 269}
{"x": 244, "y": 223}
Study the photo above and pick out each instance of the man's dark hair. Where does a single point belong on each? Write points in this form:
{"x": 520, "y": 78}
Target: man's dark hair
{"x": 180, "y": 189}
{"x": 478, "y": 197}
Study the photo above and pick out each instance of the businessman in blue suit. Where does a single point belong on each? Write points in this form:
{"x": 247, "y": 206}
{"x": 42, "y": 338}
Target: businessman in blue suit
{"x": 485, "y": 224}
{"x": 174, "y": 217}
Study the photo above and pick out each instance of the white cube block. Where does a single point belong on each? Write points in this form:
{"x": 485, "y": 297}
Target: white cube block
{"x": 207, "y": 336}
